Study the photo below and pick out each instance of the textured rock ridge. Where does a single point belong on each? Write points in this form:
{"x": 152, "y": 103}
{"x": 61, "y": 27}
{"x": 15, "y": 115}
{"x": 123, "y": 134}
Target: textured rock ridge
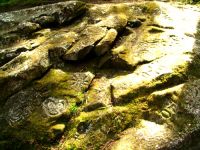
{"x": 117, "y": 76}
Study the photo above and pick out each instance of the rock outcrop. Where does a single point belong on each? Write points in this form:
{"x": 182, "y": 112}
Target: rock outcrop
{"x": 118, "y": 76}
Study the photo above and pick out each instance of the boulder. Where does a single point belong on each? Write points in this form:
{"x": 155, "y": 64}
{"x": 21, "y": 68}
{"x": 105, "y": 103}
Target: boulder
{"x": 26, "y": 21}
{"x": 87, "y": 41}
{"x": 42, "y": 103}
{"x": 114, "y": 21}
{"x": 150, "y": 76}
{"x": 30, "y": 65}
{"x": 105, "y": 44}
{"x": 110, "y": 16}
{"x": 7, "y": 54}
{"x": 140, "y": 136}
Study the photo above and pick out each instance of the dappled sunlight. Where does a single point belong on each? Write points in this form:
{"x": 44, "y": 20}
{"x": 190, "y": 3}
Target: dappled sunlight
{"x": 146, "y": 135}
{"x": 184, "y": 23}
{"x": 173, "y": 46}
{"x": 145, "y": 74}
{"x": 183, "y": 20}
{"x": 150, "y": 129}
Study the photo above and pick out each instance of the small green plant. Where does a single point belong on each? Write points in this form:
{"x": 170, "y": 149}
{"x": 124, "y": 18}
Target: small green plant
{"x": 73, "y": 108}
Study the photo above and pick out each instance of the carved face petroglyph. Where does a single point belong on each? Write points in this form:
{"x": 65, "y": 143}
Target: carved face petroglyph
{"x": 54, "y": 107}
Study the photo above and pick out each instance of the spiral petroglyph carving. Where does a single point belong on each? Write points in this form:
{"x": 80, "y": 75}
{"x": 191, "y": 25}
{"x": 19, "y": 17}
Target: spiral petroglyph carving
{"x": 14, "y": 116}
{"x": 54, "y": 107}
{"x": 21, "y": 106}
{"x": 18, "y": 114}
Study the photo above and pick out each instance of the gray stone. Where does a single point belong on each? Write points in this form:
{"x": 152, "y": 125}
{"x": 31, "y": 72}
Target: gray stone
{"x": 99, "y": 95}
{"x": 44, "y": 101}
{"x": 28, "y": 27}
{"x": 88, "y": 38}
{"x": 30, "y": 65}
{"x": 31, "y": 19}
{"x": 105, "y": 44}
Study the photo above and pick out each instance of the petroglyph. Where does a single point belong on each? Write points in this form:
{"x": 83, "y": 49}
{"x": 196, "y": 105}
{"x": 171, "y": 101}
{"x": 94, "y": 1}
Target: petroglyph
{"x": 54, "y": 107}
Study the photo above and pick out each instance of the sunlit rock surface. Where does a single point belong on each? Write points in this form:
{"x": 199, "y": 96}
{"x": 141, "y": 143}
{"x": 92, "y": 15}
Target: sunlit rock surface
{"x": 117, "y": 76}
{"x": 46, "y": 100}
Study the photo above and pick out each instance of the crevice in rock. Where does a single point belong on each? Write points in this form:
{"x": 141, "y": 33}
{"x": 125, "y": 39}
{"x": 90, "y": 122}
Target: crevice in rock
{"x": 8, "y": 56}
{"x": 89, "y": 86}
{"x": 123, "y": 32}
{"x": 161, "y": 26}
{"x": 155, "y": 30}
{"x": 56, "y": 25}
{"x": 112, "y": 95}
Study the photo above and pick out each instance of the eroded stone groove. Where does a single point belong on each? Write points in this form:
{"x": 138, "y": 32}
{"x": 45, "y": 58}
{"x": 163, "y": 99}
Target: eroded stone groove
{"x": 117, "y": 76}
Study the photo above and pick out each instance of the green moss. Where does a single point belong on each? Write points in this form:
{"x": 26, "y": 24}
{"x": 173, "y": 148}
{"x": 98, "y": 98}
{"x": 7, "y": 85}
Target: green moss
{"x": 2, "y": 74}
{"x": 58, "y": 83}
{"x": 93, "y": 129}
{"x": 71, "y": 147}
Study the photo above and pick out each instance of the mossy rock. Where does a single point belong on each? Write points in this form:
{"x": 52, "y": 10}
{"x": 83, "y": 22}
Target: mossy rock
{"x": 38, "y": 107}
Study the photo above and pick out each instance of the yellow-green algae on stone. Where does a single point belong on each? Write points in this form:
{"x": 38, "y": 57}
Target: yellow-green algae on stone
{"x": 46, "y": 100}
{"x": 93, "y": 129}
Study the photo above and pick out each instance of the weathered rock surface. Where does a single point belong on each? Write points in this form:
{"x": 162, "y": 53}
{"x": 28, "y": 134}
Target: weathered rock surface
{"x": 86, "y": 43}
{"x": 99, "y": 95}
{"x": 16, "y": 24}
{"x": 46, "y": 99}
{"x": 100, "y": 76}
{"x": 105, "y": 44}
{"x": 30, "y": 65}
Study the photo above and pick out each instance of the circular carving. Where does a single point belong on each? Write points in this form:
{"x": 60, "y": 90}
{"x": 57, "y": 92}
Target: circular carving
{"x": 14, "y": 116}
{"x": 80, "y": 81}
{"x": 54, "y": 107}
{"x": 20, "y": 106}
